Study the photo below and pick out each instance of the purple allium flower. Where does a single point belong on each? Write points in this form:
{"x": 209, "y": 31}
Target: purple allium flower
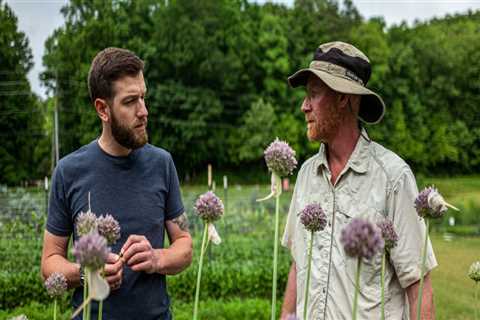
{"x": 91, "y": 251}
{"x": 430, "y": 203}
{"x": 109, "y": 228}
{"x": 389, "y": 235}
{"x": 86, "y": 222}
{"x": 313, "y": 217}
{"x": 474, "y": 271}
{"x": 56, "y": 284}
{"x": 362, "y": 239}
{"x": 280, "y": 158}
{"x": 209, "y": 207}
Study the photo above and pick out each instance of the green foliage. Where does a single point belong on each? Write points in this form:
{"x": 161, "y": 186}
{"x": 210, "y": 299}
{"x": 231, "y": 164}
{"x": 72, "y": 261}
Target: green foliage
{"x": 207, "y": 65}
{"x": 21, "y": 114}
{"x": 236, "y": 278}
{"x": 226, "y": 309}
{"x": 254, "y": 134}
{"x": 229, "y": 309}
{"x": 38, "y": 311}
{"x": 211, "y": 65}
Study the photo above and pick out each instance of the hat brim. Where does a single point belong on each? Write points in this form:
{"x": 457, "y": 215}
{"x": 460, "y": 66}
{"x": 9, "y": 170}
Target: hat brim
{"x": 372, "y": 107}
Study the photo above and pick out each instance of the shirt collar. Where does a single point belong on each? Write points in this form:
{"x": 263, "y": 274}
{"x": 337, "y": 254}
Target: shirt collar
{"x": 359, "y": 159}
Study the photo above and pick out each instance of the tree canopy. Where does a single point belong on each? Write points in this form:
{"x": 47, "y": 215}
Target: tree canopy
{"x": 216, "y": 76}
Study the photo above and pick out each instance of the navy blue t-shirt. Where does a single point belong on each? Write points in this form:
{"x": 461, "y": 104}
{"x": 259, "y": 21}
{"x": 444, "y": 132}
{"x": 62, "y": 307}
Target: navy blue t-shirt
{"x": 141, "y": 191}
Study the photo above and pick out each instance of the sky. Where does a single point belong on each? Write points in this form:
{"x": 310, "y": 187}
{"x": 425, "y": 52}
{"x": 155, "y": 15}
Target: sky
{"x": 39, "y": 18}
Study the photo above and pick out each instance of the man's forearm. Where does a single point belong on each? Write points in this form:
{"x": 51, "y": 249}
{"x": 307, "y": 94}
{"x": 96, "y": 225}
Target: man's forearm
{"x": 290, "y": 299}
{"x": 175, "y": 258}
{"x": 428, "y": 307}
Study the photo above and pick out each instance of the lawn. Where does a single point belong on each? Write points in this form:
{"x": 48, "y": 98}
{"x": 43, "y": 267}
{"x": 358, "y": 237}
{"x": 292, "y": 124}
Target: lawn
{"x": 453, "y": 290}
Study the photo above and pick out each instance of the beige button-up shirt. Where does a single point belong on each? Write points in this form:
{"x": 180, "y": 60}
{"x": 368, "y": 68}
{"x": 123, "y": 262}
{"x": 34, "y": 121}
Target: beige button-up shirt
{"x": 375, "y": 183}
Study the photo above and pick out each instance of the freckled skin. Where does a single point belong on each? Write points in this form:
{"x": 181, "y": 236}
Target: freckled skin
{"x": 321, "y": 111}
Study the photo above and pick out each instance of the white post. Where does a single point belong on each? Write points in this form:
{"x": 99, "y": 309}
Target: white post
{"x": 209, "y": 177}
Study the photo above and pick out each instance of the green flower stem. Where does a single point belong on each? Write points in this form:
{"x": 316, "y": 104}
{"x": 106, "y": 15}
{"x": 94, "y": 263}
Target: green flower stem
{"x": 88, "y": 306}
{"x": 308, "y": 277}
{"x": 100, "y": 310}
{"x": 199, "y": 275}
{"x": 55, "y": 309}
{"x": 422, "y": 273}
{"x": 476, "y": 300}
{"x": 382, "y": 281}
{"x": 278, "y": 183}
{"x": 357, "y": 289}
{"x": 100, "y": 304}
{"x": 85, "y": 294}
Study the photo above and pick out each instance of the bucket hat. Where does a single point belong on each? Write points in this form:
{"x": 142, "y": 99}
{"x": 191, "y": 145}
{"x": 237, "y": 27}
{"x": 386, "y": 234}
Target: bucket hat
{"x": 344, "y": 69}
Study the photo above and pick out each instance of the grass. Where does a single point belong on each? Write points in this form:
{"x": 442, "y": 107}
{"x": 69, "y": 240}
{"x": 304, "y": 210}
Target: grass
{"x": 453, "y": 290}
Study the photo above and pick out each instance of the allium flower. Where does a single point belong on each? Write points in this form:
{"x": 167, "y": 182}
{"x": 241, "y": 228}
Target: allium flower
{"x": 313, "y": 217}
{"x": 109, "y": 228}
{"x": 430, "y": 203}
{"x": 280, "y": 158}
{"x": 209, "y": 207}
{"x": 389, "y": 235}
{"x": 474, "y": 271}
{"x": 362, "y": 239}
{"x": 86, "y": 223}
{"x": 56, "y": 284}
{"x": 91, "y": 251}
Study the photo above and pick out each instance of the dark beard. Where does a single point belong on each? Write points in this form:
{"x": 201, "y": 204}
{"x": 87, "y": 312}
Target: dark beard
{"x": 126, "y": 137}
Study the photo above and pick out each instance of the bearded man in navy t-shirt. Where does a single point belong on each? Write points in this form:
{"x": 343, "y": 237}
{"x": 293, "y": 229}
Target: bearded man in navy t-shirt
{"x": 133, "y": 181}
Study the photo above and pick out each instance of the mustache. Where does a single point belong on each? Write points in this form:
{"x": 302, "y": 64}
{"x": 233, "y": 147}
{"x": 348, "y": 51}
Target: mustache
{"x": 141, "y": 123}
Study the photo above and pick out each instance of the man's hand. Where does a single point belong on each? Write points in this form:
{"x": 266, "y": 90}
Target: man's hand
{"x": 113, "y": 271}
{"x": 138, "y": 254}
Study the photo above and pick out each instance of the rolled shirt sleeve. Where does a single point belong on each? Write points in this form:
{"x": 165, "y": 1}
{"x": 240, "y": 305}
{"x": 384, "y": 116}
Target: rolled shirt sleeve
{"x": 289, "y": 232}
{"x": 406, "y": 257}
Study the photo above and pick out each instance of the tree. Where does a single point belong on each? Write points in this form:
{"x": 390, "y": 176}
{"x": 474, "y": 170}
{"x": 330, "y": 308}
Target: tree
{"x": 20, "y": 110}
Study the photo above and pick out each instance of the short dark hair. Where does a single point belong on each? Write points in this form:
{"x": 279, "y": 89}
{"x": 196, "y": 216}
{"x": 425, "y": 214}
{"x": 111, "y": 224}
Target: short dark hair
{"x": 109, "y": 65}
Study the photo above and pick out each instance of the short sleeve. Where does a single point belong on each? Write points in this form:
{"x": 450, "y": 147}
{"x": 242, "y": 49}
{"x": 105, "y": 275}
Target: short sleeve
{"x": 174, "y": 205}
{"x": 406, "y": 257}
{"x": 288, "y": 239}
{"x": 59, "y": 220}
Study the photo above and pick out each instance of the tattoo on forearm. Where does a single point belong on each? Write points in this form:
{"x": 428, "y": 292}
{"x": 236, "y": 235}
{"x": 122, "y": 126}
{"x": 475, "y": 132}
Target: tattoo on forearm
{"x": 182, "y": 222}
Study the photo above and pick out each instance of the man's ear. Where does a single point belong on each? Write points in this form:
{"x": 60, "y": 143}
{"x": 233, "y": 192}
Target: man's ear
{"x": 103, "y": 111}
{"x": 343, "y": 100}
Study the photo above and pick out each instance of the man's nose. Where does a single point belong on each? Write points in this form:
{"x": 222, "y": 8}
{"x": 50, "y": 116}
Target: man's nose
{"x": 306, "y": 107}
{"x": 142, "y": 110}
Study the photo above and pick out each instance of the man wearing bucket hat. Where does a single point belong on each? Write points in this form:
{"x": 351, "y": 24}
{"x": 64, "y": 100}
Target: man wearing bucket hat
{"x": 351, "y": 176}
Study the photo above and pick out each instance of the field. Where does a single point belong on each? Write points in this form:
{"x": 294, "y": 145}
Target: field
{"x": 237, "y": 274}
